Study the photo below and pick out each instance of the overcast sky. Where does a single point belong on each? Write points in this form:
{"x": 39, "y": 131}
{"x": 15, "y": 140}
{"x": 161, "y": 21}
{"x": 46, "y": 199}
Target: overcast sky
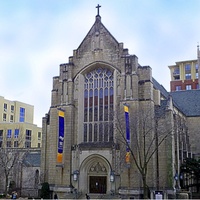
{"x": 36, "y": 36}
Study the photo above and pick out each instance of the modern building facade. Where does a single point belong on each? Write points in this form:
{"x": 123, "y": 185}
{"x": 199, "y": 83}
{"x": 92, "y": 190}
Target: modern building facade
{"x": 185, "y": 74}
{"x": 19, "y": 139}
{"x": 16, "y": 125}
{"x": 106, "y": 111}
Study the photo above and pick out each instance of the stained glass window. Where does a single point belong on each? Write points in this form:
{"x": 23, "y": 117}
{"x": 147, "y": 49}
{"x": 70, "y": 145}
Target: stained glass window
{"x": 98, "y": 106}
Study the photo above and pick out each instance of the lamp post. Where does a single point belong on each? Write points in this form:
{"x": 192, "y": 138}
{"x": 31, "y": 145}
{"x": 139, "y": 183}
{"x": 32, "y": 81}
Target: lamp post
{"x": 176, "y": 179}
{"x": 179, "y": 180}
{"x": 75, "y": 175}
{"x": 112, "y": 176}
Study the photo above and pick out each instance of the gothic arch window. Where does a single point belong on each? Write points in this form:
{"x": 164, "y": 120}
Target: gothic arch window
{"x": 98, "y": 105}
{"x": 36, "y": 178}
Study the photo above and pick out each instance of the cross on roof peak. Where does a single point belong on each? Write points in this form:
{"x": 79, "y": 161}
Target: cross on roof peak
{"x": 98, "y": 6}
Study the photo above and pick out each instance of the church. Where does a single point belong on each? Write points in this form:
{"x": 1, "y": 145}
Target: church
{"x": 111, "y": 127}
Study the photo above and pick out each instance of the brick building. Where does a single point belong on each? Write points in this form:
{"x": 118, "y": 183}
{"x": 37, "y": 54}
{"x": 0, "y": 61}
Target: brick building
{"x": 185, "y": 74}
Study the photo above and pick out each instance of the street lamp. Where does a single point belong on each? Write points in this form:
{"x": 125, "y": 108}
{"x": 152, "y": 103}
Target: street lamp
{"x": 176, "y": 177}
{"x": 75, "y": 175}
{"x": 112, "y": 176}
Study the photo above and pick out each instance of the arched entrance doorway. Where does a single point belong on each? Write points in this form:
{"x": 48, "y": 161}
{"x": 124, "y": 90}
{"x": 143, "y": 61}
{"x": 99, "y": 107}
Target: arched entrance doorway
{"x": 94, "y": 175}
{"x": 97, "y": 176}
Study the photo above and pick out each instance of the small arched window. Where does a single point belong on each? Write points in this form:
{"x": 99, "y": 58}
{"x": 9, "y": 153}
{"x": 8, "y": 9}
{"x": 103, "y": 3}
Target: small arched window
{"x": 36, "y": 178}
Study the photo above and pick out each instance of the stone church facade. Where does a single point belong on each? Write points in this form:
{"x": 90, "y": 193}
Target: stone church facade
{"x": 85, "y": 137}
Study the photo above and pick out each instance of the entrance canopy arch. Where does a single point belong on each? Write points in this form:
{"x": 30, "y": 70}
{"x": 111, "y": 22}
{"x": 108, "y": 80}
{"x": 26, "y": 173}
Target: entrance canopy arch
{"x": 95, "y": 174}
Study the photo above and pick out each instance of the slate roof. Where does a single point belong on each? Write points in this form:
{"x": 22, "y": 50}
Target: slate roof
{"x": 161, "y": 88}
{"x": 32, "y": 159}
{"x": 187, "y": 101}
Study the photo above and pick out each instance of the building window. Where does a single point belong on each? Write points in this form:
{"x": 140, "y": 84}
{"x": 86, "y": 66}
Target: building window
{"x": 1, "y": 134}
{"x": 28, "y": 139}
{"x": 196, "y": 70}
{"x": 39, "y": 135}
{"x": 187, "y": 68}
{"x": 8, "y": 144}
{"x": 27, "y": 144}
{"x": 11, "y": 118}
{"x": 176, "y": 73}
{"x": 9, "y": 133}
{"x": 37, "y": 178}
{"x": 16, "y": 133}
{"x": 39, "y": 145}
{"x": 1, "y": 138}
{"x": 178, "y": 88}
{"x": 22, "y": 115}
{"x": 28, "y": 134}
{"x": 12, "y": 108}
{"x": 188, "y": 87}
{"x": 5, "y": 107}
{"x": 187, "y": 76}
{"x": 98, "y": 106}
{"x": 4, "y": 117}
{"x": 16, "y": 144}
{"x": 197, "y": 86}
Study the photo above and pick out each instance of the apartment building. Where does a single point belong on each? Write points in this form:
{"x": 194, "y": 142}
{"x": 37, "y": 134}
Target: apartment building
{"x": 185, "y": 74}
{"x": 16, "y": 125}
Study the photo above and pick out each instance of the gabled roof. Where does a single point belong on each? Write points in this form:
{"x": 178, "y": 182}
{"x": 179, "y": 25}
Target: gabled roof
{"x": 187, "y": 101}
{"x": 96, "y": 30}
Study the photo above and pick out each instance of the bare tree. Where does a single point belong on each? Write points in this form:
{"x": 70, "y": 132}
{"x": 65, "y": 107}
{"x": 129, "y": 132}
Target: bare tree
{"x": 10, "y": 156}
{"x": 8, "y": 159}
{"x": 148, "y": 130}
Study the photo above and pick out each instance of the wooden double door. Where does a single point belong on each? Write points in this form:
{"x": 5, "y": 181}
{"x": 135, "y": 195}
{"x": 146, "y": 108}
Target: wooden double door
{"x": 98, "y": 184}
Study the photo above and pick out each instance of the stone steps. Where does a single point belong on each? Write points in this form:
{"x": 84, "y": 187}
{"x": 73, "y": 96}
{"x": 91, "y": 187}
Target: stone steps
{"x": 100, "y": 196}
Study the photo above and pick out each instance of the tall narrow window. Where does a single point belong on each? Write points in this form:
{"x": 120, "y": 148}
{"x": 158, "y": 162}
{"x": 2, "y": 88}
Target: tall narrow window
{"x": 1, "y": 134}
{"x": 4, "y": 117}
{"x": 187, "y": 71}
{"x": 16, "y": 133}
{"x": 197, "y": 70}
{"x": 11, "y": 118}
{"x": 98, "y": 106}
{"x": 9, "y": 133}
{"x": 28, "y": 139}
{"x": 1, "y": 138}
{"x": 22, "y": 114}
{"x": 37, "y": 178}
{"x": 8, "y": 144}
{"x": 39, "y": 135}
{"x": 5, "y": 107}
{"x": 12, "y": 108}
{"x": 16, "y": 144}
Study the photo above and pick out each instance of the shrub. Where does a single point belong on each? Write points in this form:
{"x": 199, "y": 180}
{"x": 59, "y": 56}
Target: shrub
{"x": 45, "y": 191}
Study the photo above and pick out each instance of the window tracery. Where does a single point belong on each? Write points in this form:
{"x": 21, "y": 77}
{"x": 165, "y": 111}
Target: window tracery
{"x": 98, "y": 105}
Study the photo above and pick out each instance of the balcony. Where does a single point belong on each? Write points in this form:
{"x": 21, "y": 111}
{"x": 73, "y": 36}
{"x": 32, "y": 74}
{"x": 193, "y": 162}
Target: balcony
{"x": 176, "y": 73}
